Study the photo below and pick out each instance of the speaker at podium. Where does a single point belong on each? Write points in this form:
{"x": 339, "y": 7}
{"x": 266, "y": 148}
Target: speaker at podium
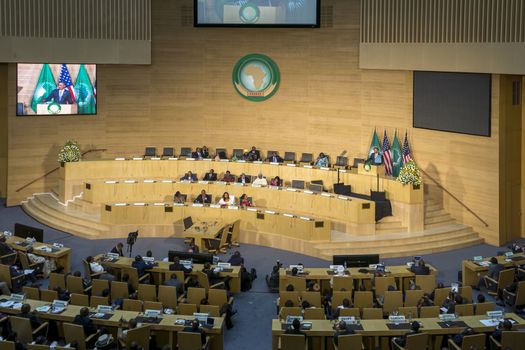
{"x": 56, "y": 109}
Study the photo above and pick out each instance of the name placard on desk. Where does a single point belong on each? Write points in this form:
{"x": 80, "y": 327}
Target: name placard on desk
{"x": 290, "y": 189}
{"x": 110, "y": 182}
{"x": 233, "y": 207}
{"x": 324, "y": 168}
{"x": 138, "y": 158}
{"x": 225, "y": 160}
{"x": 288, "y": 215}
{"x": 130, "y": 181}
{"x": 308, "y": 192}
{"x": 257, "y": 162}
{"x": 270, "y": 212}
{"x": 173, "y": 158}
{"x": 155, "y": 158}
{"x": 198, "y": 205}
{"x": 343, "y": 198}
{"x": 305, "y": 218}
{"x": 241, "y": 161}
{"x": 159, "y": 204}
{"x": 274, "y": 163}
{"x": 220, "y": 182}
{"x": 237, "y": 184}
{"x": 203, "y": 182}
{"x": 139, "y": 204}
{"x": 190, "y": 158}
{"x": 206, "y": 159}
{"x": 308, "y": 166}
{"x": 326, "y": 194}
{"x": 167, "y": 181}
{"x": 290, "y": 164}
{"x": 120, "y": 158}
{"x": 120, "y": 204}
{"x": 149, "y": 181}
{"x": 251, "y": 209}
{"x": 215, "y": 206}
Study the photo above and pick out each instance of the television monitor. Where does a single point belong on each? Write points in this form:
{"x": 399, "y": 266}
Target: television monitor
{"x": 24, "y": 231}
{"x": 196, "y": 258}
{"x": 257, "y": 13}
{"x": 315, "y": 187}
{"x": 298, "y": 184}
{"x": 56, "y": 89}
{"x": 362, "y": 260}
{"x": 188, "y": 222}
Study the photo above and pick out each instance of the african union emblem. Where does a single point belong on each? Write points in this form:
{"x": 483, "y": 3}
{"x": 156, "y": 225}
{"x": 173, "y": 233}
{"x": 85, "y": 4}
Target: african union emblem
{"x": 256, "y": 77}
{"x": 249, "y": 13}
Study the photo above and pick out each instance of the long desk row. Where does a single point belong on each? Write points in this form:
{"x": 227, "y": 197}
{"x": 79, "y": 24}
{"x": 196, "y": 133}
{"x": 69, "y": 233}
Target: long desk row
{"x": 472, "y": 270}
{"x": 323, "y": 329}
{"x": 325, "y": 205}
{"x": 167, "y": 328}
{"x": 155, "y": 215}
{"x": 161, "y": 272}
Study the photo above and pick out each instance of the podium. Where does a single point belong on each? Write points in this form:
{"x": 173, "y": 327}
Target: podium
{"x": 267, "y": 14}
{"x": 374, "y": 170}
{"x": 43, "y": 109}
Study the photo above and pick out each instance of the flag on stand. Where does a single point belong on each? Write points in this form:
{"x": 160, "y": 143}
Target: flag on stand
{"x": 387, "y": 156}
{"x": 397, "y": 160}
{"x": 44, "y": 87}
{"x": 374, "y": 144}
{"x": 66, "y": 79}
{"x": 85, "y": 92}
{"x": 406, "y": 150}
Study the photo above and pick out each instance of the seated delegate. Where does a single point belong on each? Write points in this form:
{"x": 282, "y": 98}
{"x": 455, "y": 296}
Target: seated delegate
{"x": 321, "y": 161}
{"x": 274, "y": 158}
{"x": 226, "y": 200}
{"x": 245, "y": 201}
{"x": 210, "y": 176}
{"x": 260, "y": 181}
{"x": 178, "y": 198}
{"x": 228, "y": 177}
{"x": 203, "y": 198}
{"x": 243, "y": 179}
{"x": 189, "y": 176}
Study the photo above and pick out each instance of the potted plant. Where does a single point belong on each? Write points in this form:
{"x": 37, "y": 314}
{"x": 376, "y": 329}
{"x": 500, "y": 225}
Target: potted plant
{"x": 70, "y": 152}
{"x": 409, "y": 175}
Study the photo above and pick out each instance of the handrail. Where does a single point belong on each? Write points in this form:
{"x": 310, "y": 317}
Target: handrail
{"x": 52, "y": 171}
{"x": 454, "y": 197}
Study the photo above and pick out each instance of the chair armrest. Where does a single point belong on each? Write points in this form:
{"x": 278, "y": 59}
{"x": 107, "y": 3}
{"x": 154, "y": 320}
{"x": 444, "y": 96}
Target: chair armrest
{"x": 144, "y": 277}
{"x": 10, "y": 255}
{"x": 491, "y": 279}
{"x": 205, "y": 346}
{"x": 230, "y": 300}
{"x": 41, "y": 327}
{"x": 181, "y": 299}
{"x": 379, "y": 302}
{"x": 217, "y": 285}
{"x": 88, "y": 289}
{"x": 452, "y": 345}
{"x": 88, "y": 339}
{"x": 18, "y": 277}
{"x": 96, "y": 274}
{"x": 495, "y": 342}
{"x": 396, "y": 345}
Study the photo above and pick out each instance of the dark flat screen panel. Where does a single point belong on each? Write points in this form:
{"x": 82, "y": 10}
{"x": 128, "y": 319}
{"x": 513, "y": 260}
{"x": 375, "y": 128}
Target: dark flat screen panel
{"x": 455, "y": 102}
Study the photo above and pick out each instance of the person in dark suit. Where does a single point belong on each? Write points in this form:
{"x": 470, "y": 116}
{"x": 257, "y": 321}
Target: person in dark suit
{"x": 419, "y": 268}
{"x": 295, "y": 328}
{"x": 504, "y": 326}
{"x": 141, "y": 265}
{"x": 458, "y": 338}
{"x": 254, "y": 154}
{"x": 83, "y": 320}
{"x": 414, "y": 329}
{"x": 341, "y": 329}
{"x": 118, "y": 249}
{"x": 494, "y": 270}
{"x": 189, "y": 176}
{"x": 210, "y": 176}
{"x": 195, "y": 328}
{"x": 228, "y": 177}
{"x": 177, "y": 266}
{"x": 60, "y": 95}
{"x": 243, "y": 179}
{"x": 236, "y": 259}
{"x": 203, "y": 198}
{"x": 197, "y": 154}
{"x": 25, "y": 312}
{"x": 376, "y": 157}
{"x": 205, "y": 152}
{"x": 4, "y": 247}
{"x": 449, "y": 303}
{"x": 274, "y": 158}
{"x": 174, "y": 282}
{"x": 131, "y": 288}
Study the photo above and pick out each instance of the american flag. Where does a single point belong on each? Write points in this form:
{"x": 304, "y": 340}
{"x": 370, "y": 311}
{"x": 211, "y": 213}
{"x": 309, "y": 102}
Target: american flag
{"x": 406, "y": 151}
{"x": 66, "y": 79}
{"x": 387, "y": 156}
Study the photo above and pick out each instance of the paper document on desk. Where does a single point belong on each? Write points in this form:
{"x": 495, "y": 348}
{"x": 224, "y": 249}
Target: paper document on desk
{"x": 7, "y": 304}
{"x": 28, "y": 271}
{"x": 44, "y": 308}
{"x": 494, "y": 322}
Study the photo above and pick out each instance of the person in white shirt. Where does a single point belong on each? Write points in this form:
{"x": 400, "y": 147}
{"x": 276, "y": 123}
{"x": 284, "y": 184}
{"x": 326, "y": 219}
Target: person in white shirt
{"x": 226, "y": 200}
{"x": 260, "y": 181}
{"x": 97, "y": 268}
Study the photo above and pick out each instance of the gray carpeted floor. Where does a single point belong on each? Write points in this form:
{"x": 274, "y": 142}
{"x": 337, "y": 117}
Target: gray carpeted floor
{"x": 256, "y": 308}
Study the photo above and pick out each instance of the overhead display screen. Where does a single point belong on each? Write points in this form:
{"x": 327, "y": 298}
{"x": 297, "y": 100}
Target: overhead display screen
{"x": 257, "y": 13}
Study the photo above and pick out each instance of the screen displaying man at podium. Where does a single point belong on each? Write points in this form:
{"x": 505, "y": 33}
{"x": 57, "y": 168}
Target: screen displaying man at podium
{"x": 73, "y": 91}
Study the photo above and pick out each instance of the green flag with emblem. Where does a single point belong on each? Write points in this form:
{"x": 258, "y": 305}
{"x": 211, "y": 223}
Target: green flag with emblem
{"x": 84, "y": 93}
{"x": 44, "y": 87}
{"x": 397, "y": 159}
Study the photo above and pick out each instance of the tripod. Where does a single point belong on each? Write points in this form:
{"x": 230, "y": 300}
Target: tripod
{"x": 132, "y": 238}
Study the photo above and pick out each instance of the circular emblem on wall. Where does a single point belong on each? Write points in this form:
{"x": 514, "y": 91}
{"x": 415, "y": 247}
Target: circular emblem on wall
{"x": 249, "y": 13}
{"x": 54, "y": 108}
{"x": 256, "y": 77}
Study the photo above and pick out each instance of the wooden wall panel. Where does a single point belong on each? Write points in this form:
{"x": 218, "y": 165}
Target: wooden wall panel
{"x": 325, "y": 103}
{"x": 3, "y": 130}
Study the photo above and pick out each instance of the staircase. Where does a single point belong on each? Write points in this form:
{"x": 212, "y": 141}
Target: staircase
{"x": 435, "y": 215}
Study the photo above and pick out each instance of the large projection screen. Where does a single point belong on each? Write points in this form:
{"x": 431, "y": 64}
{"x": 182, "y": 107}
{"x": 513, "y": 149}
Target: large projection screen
{"x": 454, "y": 102}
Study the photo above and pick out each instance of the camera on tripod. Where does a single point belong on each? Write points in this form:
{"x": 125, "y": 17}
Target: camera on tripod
{"x": 132, "y": 239}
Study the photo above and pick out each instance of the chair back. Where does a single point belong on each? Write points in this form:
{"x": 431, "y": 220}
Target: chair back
{"x": 133, "y": 276}
{"x": 24, "y": 260}
{"x": 87, "y": 268}
{"x": 289, "y": 156}
{"x": 506, "y": 277}
{"x": 187, "y": 309}
{"x": 97, "y": 300}
{"x": 363, "y": 299}
{"x": 147, "y": 292}
{"x": 48, "y": 295}
{"x": 382, "y": 284}
{"x": 298, "y": 283}
{"x": 217, "y": 297}
{"x": 475, "y": 341}
{"x": 464, "y": 309}
{"x": 22, "y": 326}
{"x": 293, "y": 342}
{"x": 141, "y": 335}
{"x": 429, "y": 312}
{"x": 185, "y": 151}
{"x": 314, "y": 298}
{"x": 74, "y": 332}
{"x": 290, "y": 311}
{"x": 79, "y": 299}
{"x": 284, "y": 296}
{"x": 342, "y": 282}
{"x": 168, "y": 296}
{"x": 417, "y": 341}
{"x": 7, "y": 345}
{"x": 98, "y": 285}
{"x": 75, "y": 284}
{"x": 189, "y": 341}
{"x": 119, "y": 290}
{"x": 195, "y": 295}
{"x": 412, "y": 297}
{"x": 408, "y": 310}
{"x": 306, "y": 158}
{"x": 350, "y": 341}
{"x": 132, "y": 305}
{"x": 56, "y": 280}
{"x": 393, "y": 300}
{"x": 440, "y": 294}
{"x": 372, "y": 313}
{"x": 520, "y": 294}
{"x": 426, "y": 282}
{"x": 512, "y": 340}
{"x": 483, "y": 308}
{"x": 5, "y": 275}
{"x": 167, "y": 152}
{"x": 31, "y": 293}
{"x": 213, "y": 310}
{"x": 152, "y": 305}
{"x": 314, "y": 313}
{"x": 338, "y": 297}
{"x": 466, "y": 293}
{"x": 203, "y": 279}
{"x": 150, "y": 152}
{"x": 354, "y": 311}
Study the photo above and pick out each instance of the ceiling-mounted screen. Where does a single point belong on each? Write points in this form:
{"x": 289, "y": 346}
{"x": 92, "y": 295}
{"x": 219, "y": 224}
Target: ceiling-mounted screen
{"x": 56, "y": 89}
{"x": 257, "y": 13}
